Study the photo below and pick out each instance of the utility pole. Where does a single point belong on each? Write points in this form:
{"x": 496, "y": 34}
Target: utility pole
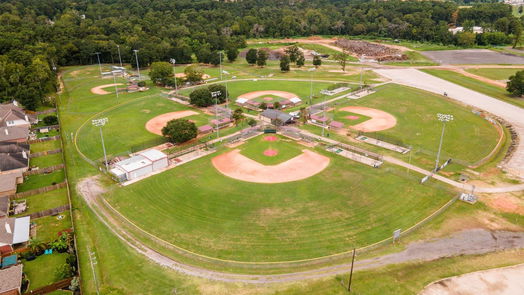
{"x": 311, "y": 70}
{"x": 100, "y": 123}
{"x": 351, "y": 273}
{"x": 137, "y": 65}
{"x": 173, "y": 61}
{"x": 444, "y": 118}
{"x": 215, "y": 95}
{"x": 99, "y": 66}
{"x": 220, "y": 58}
{"x": 116, "y": 87}
{"x": 119, "y": 56}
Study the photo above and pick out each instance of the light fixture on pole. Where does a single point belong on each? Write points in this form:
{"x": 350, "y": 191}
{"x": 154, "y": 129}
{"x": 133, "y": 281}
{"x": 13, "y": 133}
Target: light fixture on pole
{"x": 116, "y": 87}
{"x": 311, "y": 70}
{"x": 362, "y": 60}
{"x": 119, "y": 56}
{"x": 173, "y": 61}
{"x": 444, "y": 118}
{"x": 99, "y": 66}
{"x": 100, "y": 123}
{"x": 215, "y": 95}
{"x": 137, "y": 65}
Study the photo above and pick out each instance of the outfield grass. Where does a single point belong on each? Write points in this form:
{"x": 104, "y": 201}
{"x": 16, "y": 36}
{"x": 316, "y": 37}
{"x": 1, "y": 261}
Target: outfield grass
{"x": 41, "y": 180}
{"x": 495, "y": 74}
{"x": 47, "y": 228}
{"x": 344, "y": 206}
{"x": 49, "y": 200}
{"x": 45, "y": 146}
{"x": 41, "y": 271}
{"x": 254, "y": 149}
{"x": 46, "y": 161}
{"x": 340, "y": 116}
{"x": 473, "y": 84}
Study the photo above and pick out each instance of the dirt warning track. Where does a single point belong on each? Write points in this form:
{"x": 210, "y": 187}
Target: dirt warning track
{"x": 237, "y": 166}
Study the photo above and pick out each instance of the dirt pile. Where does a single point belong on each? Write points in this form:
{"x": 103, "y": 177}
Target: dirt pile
{"x": 371, "y": 50}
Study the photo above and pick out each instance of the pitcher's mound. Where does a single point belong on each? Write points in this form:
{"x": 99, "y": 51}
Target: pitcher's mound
{"x": 379, "y": 121}
{"x": 156, "y": 124}
{"x": 237, "y": 166}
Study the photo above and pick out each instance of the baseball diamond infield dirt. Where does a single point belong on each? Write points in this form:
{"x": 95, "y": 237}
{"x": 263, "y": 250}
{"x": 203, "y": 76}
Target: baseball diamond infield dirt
{"x": 237, "y": 166}
{"x": 100, "y": 91}
{"x": 379, "y": 121}
{"x": 156, "y": 124}
{"x": 255, "y": 94}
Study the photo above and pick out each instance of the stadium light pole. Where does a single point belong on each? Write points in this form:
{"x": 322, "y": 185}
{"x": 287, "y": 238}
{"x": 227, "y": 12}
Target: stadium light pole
{"x": 119, "y": 56}
{"x": 99, "y": 66}
{"x": 173, "y": 61}
{"x": 100, "y": 123}
{"x": 351, "y": 272}
{"x": 137, "y": 65}
{"x": 220, "y": 59}
{"x": 362, "y": 59}
{"x": 444, "y": 118}
{"x": 311, "y": 70}
{"x": 116, "y": 87}
{"x": 215, "y": 95}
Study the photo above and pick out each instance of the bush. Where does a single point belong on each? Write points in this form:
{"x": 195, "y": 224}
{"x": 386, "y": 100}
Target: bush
{"x": 515, "y": 84}
{"x": 201, "y": 97}
{"x": 63, "y": 271}
{"x": 179, "y": 130}
{"x": 251, "y": 122}
{"x": 223, "y": 92}
{"x": 60, "y": 244}
{"x": 251, "y": 56}
{"x": 141, "y": 84}
{"x": 51, "y": 120}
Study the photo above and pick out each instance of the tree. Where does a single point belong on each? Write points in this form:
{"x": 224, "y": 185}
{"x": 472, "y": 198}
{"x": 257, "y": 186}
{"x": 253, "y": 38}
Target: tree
{"x": 219, "y": 88}
{"x": 50, "y": 120}
{"x": 214, "y": 59}
{"x": 301, "y": 60}
{"x": 317, "y": 62}
{"x": 466, "y": 38}
{"x": 63, "y": 271}
{"x": 261, "y": 58}
{"x": 36, "y": 246}
{"x": 293, "y": 52}
{"x": 341, "y": 58}
{"x": 160, "y": 72}
{"x": 193, "y": 74}
{"x": 232, "y": 53}
{"x": 262, "y": 106}
{"x": 284, "y": 63}
{"x": 251, "y": 122}
{"x": 203, "y": 54}
{"x": 179, "y": 130}
{"x": 515, "y": 84}
{"x": 276, "y": 105}
{"x": 251, "y": 56}
{"x": 238, "y": 115}
{"x": 201, "y": 97}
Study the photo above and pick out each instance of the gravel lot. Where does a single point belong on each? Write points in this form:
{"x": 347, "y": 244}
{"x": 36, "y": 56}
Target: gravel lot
{"x": 472, "y": 56}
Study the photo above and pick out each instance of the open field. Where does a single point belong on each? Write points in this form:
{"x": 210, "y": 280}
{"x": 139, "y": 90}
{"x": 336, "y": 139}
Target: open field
{"x": 468, "y": 137}
{"x": 41, "y": 271}
{"x": 476, "y": 85}
{"x": 45, "y": 146}
{"x": 201, "y": 210}
{"x": 494, "y": 74}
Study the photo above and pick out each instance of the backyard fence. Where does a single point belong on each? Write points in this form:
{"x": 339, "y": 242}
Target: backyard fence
{"x": 43, "y": 139}
{"x": 49, "y": 111}
{"x": 44, "y": 170}
{"x": 49, "y": 212}
{"x": 44, "y": 153}
{"x": 51, "y": 127}
{"x": 50, "y": 288}
{"x": 38, "y": 190}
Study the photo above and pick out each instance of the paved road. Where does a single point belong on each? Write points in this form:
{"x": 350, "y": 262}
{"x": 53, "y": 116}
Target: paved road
{"x": 508, "y": 112}
{"x": 468, "y": 242}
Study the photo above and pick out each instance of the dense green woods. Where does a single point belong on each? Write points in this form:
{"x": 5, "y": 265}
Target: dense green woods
{"x": 37, "y": 34}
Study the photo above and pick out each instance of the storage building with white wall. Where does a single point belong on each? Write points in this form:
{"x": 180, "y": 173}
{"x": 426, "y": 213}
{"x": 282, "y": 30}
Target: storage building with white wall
{"x": 142, "y": 164}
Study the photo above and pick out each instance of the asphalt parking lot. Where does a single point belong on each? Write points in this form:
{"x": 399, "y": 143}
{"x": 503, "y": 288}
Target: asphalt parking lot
{"x": 472, "y": 56}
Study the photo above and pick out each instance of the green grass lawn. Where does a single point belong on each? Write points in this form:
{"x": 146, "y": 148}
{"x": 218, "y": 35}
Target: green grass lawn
{"x": 414, "y": 59}
{"x": 49, "y": 200}
{"x": 286, "y": 148}
{"x": 473, "y": 84}
{"x": 47, "y": 228}
{"x": 341, "y": 116}
{"x": 51, "y": 133}
{"x": 45, "y": 146}
{"x": 468, "y": 137}
{"x": 494, "y": 74}
{"x": 46, "y": 161}
{"x": 41, "y": 180}
{"x": 41, "y": 271}
{"x": 347, "y": 205}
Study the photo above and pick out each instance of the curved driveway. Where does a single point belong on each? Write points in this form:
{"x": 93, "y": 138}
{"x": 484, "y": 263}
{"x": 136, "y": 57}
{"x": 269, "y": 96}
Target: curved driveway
{"x": 512, "y": 114}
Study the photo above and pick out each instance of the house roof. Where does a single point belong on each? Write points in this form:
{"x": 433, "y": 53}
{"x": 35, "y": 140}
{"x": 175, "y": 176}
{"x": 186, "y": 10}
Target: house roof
{"x": 11, "y": 278}
{"x": 7, "y": 226}
{"x": 274, "y": 114}
{"x": 9, "y": 147}
{"x": 13, "y": 161}
{"x": 21, "y": 232}
{"x": 11, "y": 111}
{"x": 133, "y": 163}
{"x": 153, "y": 155}
{"x": 13, "y": 133}
{"x": 4, "y": 205}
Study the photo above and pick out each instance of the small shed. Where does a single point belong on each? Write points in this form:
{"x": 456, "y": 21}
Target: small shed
{"x": 205, "y": 129}
{"x": 135, "y": 167}
{"x": 319, "y": 119}
{"x": 157, "y": 158}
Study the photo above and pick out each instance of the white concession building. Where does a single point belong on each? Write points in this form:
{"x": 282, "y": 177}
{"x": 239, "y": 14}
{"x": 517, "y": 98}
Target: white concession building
{"x": 139, "y": 165}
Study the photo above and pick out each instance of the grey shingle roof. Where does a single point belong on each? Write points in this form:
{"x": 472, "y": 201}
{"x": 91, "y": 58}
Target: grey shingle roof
{"x": 11, "y": 278}
{"x": 13, "y": 161}
{"x": 274, "y": 114}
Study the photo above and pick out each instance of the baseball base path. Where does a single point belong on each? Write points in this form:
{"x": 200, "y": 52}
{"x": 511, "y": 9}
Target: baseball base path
{"x": 156, "y": 124}
{"x": 237, "y": 166}
{"x": 255, "y": 94}
{"x": 100, "y": 91}
{"x": 379, "y": 121}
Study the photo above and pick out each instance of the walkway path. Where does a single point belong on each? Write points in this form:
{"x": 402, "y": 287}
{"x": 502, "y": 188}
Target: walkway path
{"x": 512, "y": 114}
{"x": 468, "y": 242}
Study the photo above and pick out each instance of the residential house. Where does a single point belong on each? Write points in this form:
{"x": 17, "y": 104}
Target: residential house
{"x": 11, "y": 280}
{"x": 14, "y": 231}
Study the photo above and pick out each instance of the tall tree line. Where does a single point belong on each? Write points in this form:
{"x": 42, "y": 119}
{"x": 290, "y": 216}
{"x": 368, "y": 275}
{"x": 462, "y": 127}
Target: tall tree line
{"x": 35, "y": 34}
